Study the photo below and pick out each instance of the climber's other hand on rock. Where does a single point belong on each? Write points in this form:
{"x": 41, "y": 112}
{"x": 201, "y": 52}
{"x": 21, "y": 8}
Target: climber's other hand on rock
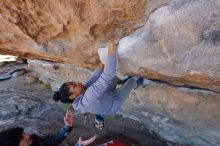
{"x": 88, "y": 141}
{"x": 68, "y": 119}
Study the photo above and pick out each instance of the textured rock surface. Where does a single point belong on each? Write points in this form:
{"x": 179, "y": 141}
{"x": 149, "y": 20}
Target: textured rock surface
{"x": 56, "y": 74}
{"x": 67, "y": 31}
{"x": 176, "y": 41}
{"x": 178, "y": 44}
{"x": 177, "y": 114}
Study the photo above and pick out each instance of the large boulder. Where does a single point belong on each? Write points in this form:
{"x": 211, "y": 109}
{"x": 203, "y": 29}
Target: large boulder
{"x": 179, "y": 44}
{"x": 179, "y": 114}
{"x": 66, "y": 31}
{"x": 173, "y": 41}
{"x": 56, "y": 74}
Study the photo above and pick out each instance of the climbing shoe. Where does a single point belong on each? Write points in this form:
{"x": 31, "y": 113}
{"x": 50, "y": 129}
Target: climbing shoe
{"x": 125, "y": 80}
{"x": 99, "y": 122}
{"x": 139, "y": 82}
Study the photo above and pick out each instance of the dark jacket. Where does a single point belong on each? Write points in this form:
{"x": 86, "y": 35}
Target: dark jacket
{"x": 53, "y": 139}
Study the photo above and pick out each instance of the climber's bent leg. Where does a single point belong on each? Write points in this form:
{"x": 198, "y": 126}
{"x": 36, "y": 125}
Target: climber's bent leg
{"x": 114, "y": 83}
{"x": 126, "y": 88}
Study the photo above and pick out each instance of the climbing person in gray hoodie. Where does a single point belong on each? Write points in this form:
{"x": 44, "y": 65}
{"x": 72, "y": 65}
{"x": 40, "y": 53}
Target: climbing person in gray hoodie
{"x": 99, "y": 95}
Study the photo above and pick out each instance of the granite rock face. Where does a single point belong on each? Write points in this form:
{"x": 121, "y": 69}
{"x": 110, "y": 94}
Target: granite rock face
{"x": 56, "y": 74}
{"x": 24, "y": 106}
{"x": 179, "y": 44}
{"x": 178, "y": 114}
{"x": 173, "y": 41}
{"x": 66, "y": 31}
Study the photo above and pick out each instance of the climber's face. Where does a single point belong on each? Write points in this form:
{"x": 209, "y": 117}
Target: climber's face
{"x": 76, "y": 89}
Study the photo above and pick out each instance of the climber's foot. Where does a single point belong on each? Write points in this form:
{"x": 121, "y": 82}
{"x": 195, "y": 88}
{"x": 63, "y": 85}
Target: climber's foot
{"x": 139, "y": 82}
{"x": 99, "y": 122}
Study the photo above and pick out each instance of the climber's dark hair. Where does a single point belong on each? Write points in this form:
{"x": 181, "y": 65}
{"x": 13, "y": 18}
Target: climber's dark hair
{"x": 63, "y": 93}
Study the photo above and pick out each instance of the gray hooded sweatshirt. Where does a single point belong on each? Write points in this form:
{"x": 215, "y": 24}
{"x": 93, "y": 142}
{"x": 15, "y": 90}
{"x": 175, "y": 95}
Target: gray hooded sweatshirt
{"x": 97, "y": 99}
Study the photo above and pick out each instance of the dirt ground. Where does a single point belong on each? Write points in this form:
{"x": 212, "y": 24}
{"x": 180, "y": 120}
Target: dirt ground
{"x": 26, "y": 101}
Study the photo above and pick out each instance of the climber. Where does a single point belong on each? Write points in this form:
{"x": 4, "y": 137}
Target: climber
{"x": 99, "y": 95}
{"x": 20, "y": 137}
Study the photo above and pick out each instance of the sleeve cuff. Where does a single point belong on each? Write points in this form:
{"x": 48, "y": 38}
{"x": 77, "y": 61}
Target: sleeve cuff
{"x": 110, "y": 67}
{"x": 78, "y": 144}
{"x": 67, "y": 128}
